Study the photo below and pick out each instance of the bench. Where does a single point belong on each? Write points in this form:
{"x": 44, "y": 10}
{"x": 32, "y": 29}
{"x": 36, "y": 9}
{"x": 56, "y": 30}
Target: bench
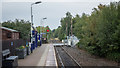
{"x": 7, "y": 60}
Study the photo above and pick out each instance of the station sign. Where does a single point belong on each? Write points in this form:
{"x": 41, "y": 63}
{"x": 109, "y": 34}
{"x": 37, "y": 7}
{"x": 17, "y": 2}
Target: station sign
{"x": 43, "y": 33}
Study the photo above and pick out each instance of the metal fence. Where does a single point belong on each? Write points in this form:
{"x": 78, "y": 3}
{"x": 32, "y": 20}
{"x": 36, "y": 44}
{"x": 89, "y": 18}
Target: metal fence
{"x": 13, "y": 44}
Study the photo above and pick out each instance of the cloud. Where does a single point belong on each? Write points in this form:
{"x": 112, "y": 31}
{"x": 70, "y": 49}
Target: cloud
{"x": 59, "y": 0}
{"x": 54, "y": 11}
{"x": 0, "y": 12}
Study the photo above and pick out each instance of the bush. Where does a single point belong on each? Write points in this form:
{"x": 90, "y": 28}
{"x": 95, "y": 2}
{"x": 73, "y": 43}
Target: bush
{"x": 100, "y": 31}
{"x": 78, "y": 45}
{"x": 21, "y": 47}
{"x": 115, "y": 56}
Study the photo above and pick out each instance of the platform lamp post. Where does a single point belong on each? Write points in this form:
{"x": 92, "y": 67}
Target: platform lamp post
{"x": 42, "y": 21}
{"x": 42, "y": 30}
{"x": 32, "y": 22}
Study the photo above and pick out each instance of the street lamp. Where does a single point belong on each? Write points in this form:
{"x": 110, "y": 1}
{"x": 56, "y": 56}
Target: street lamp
{"x": 42, "y": 30}
{"x": 32, "y": 17}
{"x": 45, "y": 18}
{"x": 38, "y": 2}
{"x": 42, "y": 20}
{"x": 31, "y": 11}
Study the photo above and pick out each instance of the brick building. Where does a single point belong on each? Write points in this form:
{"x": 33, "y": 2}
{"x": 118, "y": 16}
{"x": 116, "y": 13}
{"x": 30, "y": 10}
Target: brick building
{"x": 9, "y": 34}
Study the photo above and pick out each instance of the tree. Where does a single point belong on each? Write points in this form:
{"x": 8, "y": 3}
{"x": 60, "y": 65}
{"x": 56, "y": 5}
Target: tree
{"x": 66, "y": 23}
{"x": 20, "y": 25}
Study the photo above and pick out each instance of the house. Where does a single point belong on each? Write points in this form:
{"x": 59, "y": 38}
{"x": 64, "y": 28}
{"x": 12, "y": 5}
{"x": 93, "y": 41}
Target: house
{"x": 9, "y": 34}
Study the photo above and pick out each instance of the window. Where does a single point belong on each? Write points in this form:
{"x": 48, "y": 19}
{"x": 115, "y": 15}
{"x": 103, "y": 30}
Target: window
{"x": 9, "y": 35}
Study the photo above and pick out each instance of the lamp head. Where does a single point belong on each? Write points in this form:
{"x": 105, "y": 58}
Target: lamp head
{"x": 45, "y": 18}
{"x": 38, "y": 2}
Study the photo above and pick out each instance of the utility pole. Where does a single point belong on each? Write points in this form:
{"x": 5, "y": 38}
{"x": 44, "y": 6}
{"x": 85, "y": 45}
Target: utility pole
{"x": 66, "y": 29}
{"x": 31, "y": 23}
{"x": 71, "y": 27}
{"x": 67, "y": 32}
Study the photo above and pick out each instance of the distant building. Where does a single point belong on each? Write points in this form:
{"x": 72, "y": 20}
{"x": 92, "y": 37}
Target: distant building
{"x": 9, "y": 34}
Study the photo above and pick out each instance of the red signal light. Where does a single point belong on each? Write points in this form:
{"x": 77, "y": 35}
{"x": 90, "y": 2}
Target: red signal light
{"x": 47, "y": 30}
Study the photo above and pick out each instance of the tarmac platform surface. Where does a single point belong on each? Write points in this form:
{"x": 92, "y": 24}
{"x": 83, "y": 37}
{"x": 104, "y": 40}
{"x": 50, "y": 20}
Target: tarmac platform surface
{"x": 41, "y": 56}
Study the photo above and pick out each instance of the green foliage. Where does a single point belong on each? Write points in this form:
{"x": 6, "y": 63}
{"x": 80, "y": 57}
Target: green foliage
{"x": 21, "y": 47}
{"x": 20, "y": 25}
{"x": 27, "y": 46}
{"x": 42, "y": 29}
{"x": 60, "y": 32}
{"x": 113, "y": 56}
{"x": 99, "y": 33}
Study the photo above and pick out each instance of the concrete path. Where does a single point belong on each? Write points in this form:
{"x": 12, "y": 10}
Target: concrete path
{"x": 51, "y": 57}
{"x": 41, "y": 56}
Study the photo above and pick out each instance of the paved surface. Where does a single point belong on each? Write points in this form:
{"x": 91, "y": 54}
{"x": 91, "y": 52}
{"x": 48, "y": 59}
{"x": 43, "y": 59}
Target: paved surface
{"x": 51, "y": 57}
{"x": 41, "y": 56}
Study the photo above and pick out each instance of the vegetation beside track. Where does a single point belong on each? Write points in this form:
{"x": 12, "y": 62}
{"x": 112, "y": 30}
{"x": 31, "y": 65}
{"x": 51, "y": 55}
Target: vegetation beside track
{"x": 99, "y": 33}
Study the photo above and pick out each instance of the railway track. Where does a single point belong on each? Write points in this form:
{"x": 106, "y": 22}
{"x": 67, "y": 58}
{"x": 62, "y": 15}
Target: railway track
{"x": 64, "y": 59}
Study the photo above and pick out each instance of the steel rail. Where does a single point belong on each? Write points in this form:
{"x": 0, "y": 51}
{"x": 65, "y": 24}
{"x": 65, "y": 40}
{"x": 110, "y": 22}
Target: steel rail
{"x": 72, "y": 58}
{"x": 60, "y": 58}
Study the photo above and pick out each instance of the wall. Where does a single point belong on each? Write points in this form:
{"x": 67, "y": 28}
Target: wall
{"x": 6, "y": 44}
{"x": 5, "y": 33}
{"x": 13, "y": 35}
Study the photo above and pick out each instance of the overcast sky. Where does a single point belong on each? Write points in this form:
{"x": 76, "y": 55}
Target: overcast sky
{"x": 54, "y": 10}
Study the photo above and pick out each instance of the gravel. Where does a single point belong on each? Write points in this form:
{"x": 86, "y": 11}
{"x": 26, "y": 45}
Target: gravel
{"x": 66, "y": 59}
{"x": 86, "y": 59}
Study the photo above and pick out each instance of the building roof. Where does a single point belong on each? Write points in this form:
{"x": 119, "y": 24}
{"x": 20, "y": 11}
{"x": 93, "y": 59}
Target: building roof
{"x": 12, "y": 30}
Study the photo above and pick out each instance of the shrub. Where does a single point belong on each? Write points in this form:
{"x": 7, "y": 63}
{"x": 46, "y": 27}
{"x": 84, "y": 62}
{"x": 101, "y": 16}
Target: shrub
{"x": 21, "y": 47}
{"x": 113, "y": 56}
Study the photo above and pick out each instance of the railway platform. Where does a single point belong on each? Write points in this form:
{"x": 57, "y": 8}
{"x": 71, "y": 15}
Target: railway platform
{"x": 41, "y": 56}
